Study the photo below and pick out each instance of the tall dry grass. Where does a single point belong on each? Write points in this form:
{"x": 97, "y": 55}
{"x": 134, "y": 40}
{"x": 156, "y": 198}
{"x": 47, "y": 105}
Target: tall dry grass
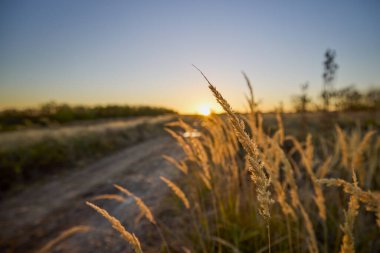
{"x": 245, "y": 189}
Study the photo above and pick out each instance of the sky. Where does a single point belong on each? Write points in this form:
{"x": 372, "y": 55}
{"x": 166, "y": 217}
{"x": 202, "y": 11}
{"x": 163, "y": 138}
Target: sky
{"x": 141, "y": 52}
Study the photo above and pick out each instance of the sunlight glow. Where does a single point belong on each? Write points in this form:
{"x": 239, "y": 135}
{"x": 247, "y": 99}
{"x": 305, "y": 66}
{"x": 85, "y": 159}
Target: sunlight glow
{"x": 204, "y": 110}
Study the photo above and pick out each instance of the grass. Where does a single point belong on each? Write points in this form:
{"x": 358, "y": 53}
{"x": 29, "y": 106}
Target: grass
{"x": 245, "y": 188}
{"x": 23, "y": 165}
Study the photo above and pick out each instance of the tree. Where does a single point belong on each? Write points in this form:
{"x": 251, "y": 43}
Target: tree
{"x": 330, "y": 68}
{"x": 301, "y": 102}
{"x": 349, "y": 99}
{"x": 373, "y": 98}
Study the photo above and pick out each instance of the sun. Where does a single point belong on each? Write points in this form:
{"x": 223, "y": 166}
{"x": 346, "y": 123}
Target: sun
{"x": 204, "y": 110}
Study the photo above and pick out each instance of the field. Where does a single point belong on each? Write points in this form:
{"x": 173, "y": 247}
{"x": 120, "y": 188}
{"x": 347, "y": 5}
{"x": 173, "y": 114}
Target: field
{"x": 224, "y": 183}
{"x": 133, "y": 126}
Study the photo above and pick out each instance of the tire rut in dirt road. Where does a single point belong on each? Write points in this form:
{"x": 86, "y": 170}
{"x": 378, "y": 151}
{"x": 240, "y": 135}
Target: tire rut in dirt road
{"x": 33, "y": 217}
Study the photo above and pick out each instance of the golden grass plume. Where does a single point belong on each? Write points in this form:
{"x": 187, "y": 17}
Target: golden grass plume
{"x": 116, "y": 224}
{"x": 177, "y": 191}
{"x": 143, "y": 208}
{"x": 62, "y": 236}
{"x": 259, "y": 176}
{"x": 116, "y": 197}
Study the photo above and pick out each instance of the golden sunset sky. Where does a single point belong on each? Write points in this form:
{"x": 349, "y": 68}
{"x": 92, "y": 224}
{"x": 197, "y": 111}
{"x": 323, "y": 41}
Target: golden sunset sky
{"x": 141, "y": 52}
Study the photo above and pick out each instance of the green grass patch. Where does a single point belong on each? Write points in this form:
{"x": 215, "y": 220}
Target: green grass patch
{"x": 26, "y": 164}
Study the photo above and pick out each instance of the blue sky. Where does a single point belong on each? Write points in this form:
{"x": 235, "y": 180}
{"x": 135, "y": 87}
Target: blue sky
{"x": 140, "y": 52}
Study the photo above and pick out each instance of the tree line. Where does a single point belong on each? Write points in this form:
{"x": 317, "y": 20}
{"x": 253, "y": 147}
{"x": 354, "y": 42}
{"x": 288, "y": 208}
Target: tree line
{"x": 348, "y": 98}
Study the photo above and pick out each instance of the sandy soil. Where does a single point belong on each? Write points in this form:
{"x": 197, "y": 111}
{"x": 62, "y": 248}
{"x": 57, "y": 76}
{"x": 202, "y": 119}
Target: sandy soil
{"x": 37, "y": 215}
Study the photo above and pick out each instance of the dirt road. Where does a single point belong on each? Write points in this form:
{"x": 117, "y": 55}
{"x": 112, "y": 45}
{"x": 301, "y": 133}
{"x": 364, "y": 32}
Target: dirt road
{"x": 34, "y": 217}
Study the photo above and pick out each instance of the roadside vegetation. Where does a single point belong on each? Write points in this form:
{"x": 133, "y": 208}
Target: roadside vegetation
{"x": 24, "y": 164}
{"x": 249, "y": 188}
